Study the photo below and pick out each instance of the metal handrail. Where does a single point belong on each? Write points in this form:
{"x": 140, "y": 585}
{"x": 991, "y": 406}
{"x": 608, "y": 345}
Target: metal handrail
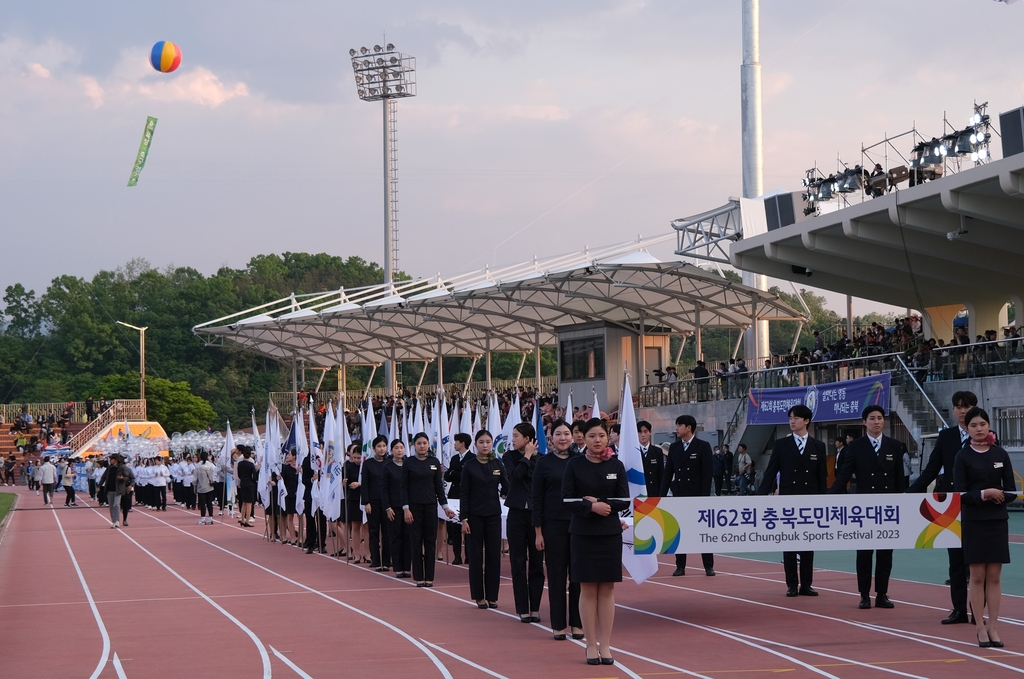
{"x": 922, "y": 391}
{"x": 121, "y": 409}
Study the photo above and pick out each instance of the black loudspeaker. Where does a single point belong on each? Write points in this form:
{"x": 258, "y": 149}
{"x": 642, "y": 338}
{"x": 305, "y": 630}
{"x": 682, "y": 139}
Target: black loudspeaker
{"x": 1011, "y": 126}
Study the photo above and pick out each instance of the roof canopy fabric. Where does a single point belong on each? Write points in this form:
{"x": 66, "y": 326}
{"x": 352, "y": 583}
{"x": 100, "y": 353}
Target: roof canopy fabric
{"x": 513, "y": 309}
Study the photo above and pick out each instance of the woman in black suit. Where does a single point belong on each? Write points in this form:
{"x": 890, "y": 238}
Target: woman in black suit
{"x": 984, "y": 477}
{"x": 391, "y": 500}
{"x": 352, "y": 505}
{"x": 422, "y": 491}
{"x": 525, "y": 561}
{"x": 483, "y": 482}
{"x": 595, "y": 485}
{"x": 551, "y": 518}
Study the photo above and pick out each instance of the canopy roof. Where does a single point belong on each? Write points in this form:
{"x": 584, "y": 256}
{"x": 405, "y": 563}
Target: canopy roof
{"x": 511, "y": 309}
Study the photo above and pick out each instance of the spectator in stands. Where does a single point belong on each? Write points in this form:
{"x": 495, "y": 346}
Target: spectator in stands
{"x": 670, "y": 375}
{"x": 90, "y": 409}
{"x": 702, "y": 377}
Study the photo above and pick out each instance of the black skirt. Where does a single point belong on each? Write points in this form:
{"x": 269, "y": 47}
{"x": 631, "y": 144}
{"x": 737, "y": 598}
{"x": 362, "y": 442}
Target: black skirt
{"x": 596, "y": 558}
{"x": 247, "y": 494}
{"x": 353, "y": 510}
{"x": 289, "y": 504}
{"x": 986, "y": 541}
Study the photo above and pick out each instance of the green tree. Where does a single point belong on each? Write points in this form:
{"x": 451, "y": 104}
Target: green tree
{"x": 21, "y": 315}
{"x": 172, "y": 404}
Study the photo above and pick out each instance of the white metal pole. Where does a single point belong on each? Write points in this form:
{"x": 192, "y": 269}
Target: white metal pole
{"x": 753, "y": 160}
{"x": 389, "y": 366}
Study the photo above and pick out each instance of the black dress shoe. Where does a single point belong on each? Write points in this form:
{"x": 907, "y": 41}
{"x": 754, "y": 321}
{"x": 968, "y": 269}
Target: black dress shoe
{"x": 808, "y": 591}
{"x": 995, "y": 644}
{"x": 534, "y": 618}
{"x": 578, "y": 637}
{"x": 559, "y": 637}
{"x": 593, "y": 661}
{"x": 492, "y": 604}
{"x": 791, "y": 591}
{"x": 983, "y": 644}
{"x": 481, "y": 604}
{"x": 865, "y": 602}
{"x": 882, "y": 601}
{"x": 309, "y": 550}
{"x": 679, "y": 571}
{"x": 955, "y": 617}
{"x": 456, "y": 562}
{"x": 607, "y": 661}
{"x": 707, "y": 571}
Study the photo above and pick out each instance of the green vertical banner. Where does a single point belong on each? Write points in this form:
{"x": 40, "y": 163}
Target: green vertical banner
{"x": 140, "y": 160}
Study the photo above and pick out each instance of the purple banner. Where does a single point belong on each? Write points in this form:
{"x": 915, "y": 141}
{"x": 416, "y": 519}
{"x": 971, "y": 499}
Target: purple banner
{"x": 828, "y": 402}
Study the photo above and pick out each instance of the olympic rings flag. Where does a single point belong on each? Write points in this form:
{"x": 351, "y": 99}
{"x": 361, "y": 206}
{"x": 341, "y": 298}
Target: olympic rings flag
{"x": 795, "y": 523}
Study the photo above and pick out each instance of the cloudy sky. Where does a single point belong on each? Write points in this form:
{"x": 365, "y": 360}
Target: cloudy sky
{"x": 540, "y": 127}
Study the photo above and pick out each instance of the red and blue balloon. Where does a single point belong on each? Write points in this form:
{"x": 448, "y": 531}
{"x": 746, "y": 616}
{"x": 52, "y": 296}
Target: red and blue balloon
{"x": 165, "y": 57}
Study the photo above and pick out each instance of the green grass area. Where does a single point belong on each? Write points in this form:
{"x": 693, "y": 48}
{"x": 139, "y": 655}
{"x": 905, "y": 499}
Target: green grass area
{"x": 919, "y": 565}
{"x": 6, "y": 500}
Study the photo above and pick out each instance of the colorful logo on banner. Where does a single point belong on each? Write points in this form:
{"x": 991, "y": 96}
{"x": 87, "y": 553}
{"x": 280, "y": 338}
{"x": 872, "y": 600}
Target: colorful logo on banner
{"x": 828, "y": 402}
{"x": 669, "y": 527}
{"x": 939, "y": 520}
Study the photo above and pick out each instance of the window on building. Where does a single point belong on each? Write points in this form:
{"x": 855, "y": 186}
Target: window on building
{"x": 1010, "y": 426}
{"x": 583, "y": 359}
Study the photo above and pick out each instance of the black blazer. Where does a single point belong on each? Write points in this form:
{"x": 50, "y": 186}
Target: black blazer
{"x": 422, "y": 482}
{"x": 369, "y": 488}
{"x": 688, "y": 472}
{"x": 603, "y": 480}
{"x": 654, "y": 468}
{"x": 974, "y": 472}
{"x": 801, "y": 474}
{"x": 943, "y": 457}
{"x": 453, "y": 474}
{"x": 391, "y": 485}
{"x": 481, "y": 485}
{"x": 520, "y": 472}
{"x": 547, "y": 490}
{"x": 876, "y": 472}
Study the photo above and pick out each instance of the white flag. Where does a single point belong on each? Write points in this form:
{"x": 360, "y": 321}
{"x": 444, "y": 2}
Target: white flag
{"x": 640, "y": 566}
{"x": 595, "y": 410}
{"x": 301, "y": 451}
{"x": 393, "y": 430}
{"x": 335, "y": 493}
{"x": 444, "y": 437}
{"x": 263, "y": 478}
{"x": 493, "y": 416}
{"x": 316, "y": 463}
{"x": 568, "y": 410}
{"x": 504, "y": 441}
{"x": 225, "y": 465}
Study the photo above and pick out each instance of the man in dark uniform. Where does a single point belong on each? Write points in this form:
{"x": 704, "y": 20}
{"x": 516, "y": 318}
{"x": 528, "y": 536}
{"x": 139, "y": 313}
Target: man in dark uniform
{"x": 453, "y": 475}
{"x": 688, "y": 474}
{"x": 940, "y": 470}
{"x": 316, "y": 523}
{"x": 653, "y": 457}
{"x": 800, "y": 461}
{"x": 877, "y": 460}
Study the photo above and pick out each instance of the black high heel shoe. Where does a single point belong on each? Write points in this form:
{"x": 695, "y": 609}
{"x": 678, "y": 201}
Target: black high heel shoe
{"x": 984, "y": 644}
{"x": 592, "y": 661}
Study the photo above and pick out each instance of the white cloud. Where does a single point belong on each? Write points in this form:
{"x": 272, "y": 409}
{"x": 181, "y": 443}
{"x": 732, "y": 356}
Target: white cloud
{"x": 38, "y": 70}
{"x": 92, "y": 90}
{"x": 199, "y": 86}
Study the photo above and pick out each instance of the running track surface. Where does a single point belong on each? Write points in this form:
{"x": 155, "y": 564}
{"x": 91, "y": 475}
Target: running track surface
{"x": 170, "y": 598}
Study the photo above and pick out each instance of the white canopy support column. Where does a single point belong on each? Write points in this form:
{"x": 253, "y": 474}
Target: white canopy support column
{"x": 488, "y": 363}
{"x": 369, "y": 382}
{"x": 295, "y": 384}
{"x": 739, "y": 340}
{"x": 696, "y": 333}
{"x": 536, "y": 360}
{"x": 641, "y": 379}
{"x": 682, "y": 345}
{"x": 423, "y": 374}
{"x": 440, "y": 369}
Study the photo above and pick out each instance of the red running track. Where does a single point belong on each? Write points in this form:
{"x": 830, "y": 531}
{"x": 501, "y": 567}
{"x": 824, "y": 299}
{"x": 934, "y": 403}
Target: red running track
{"x": 175, "y": 599}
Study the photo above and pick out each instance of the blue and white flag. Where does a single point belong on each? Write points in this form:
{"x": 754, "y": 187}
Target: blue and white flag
{"x": 301, "y": 452}
{"x": 538, "y": 425}
{"x": 640, "y": 567}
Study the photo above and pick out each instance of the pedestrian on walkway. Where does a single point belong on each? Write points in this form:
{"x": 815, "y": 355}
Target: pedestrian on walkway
{"x": 47, "y": 477}
{"x": 67, "y": 480}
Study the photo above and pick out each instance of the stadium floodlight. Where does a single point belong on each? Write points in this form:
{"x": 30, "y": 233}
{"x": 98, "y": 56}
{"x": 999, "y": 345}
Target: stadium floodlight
{"x": 386, "y": 75}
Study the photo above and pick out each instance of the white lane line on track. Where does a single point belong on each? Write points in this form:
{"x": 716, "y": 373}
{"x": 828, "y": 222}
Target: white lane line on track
{"x": 727, "y": 635}
{"x": 823, "y": 655}
{"x": 92, "y": 603}
{"x": 436, "y": 591}
{"x": 854, "y": 573}
{"x": 118, "y": 668}
{"x": 264, "y": 656}
{"x": 464, "y": 660}
{"x": 415, "y": 642}
{"x": 902, "y": 634}
{"x": 752, "y": 576}
{"x": 295, "y": 668}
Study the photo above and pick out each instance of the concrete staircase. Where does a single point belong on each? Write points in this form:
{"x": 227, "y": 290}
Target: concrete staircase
{"x": 909, "y": 401}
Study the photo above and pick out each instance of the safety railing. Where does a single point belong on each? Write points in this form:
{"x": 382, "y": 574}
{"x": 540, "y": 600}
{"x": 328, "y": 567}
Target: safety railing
{"x": 120, "y": 410}
{"x": 11, "y": 411}
{"x": 984, "y": 359}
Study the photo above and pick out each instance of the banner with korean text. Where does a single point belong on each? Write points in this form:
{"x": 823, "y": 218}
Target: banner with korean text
{"x": 829, "y": 402}
{"x": 794, "y": 523}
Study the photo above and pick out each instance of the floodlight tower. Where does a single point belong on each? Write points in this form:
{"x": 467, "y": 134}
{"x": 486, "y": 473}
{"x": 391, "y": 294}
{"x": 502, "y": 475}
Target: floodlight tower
{"x": 383, "y": 74}
{"x": 756, "y": 339}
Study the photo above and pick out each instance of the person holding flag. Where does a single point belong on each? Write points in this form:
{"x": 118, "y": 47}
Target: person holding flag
{"x": 316, "y": 522}
{"x": 551, "y": 518}
{"x": 422, "y": 490}
{"x": 596, "y": 488}
{"x": 391, "y": 500}
{"x": 352, "y": 504}
{"x": 246, "y": 487}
